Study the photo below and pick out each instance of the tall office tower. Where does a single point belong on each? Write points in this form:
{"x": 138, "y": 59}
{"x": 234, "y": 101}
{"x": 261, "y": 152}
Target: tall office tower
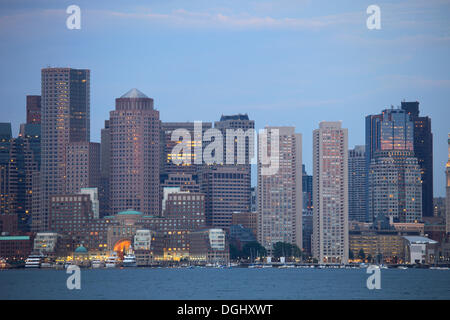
{"x": 307, "y": 216}
{"x": 31, "y": 134}
{"x": 423, "y": 151}
{"x": 227, "y": 186}
{"x": 167, "y": 145}
{"x": 5, "y": 147}
{"x": 22, "y": 165}
{"x": 280, "y": 193}
{"x": 226, "y": 191}
{"x": 82, "y": 166}
{"x": 135, "y": 154}
{"x": 391, "y": 135}
{"x": 230, "y": 126}
{"x": 395, "y": 188}
{"x": 357, "y": 184}
{"x": 65, "y": 119}
{"x": 447, "y": 199}
{"x": 330, "y": 219}
{"x": 33, "y": 109}
{"x": 105, "y": 163}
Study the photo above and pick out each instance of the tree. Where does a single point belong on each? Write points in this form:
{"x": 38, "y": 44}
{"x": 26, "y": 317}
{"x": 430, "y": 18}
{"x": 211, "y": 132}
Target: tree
{"x": 361, "y": 254}
{"x": 253, "y": 249}
{"x": 235, "y": 253}
{"x": 285, "y": 249}
{"x": 351, "y": 256}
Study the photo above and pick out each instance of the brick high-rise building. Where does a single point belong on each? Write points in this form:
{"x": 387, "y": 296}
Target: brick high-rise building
{"x": 330, "y": 218}
{"x": 65, "y": 118}
{"x": 280, "y": 202}
{"x": 135, "y": 154}
{"x": 423, "y": 150}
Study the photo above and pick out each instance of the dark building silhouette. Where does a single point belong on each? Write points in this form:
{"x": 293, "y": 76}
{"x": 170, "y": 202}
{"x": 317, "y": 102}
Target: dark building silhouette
{"x": 33, "y": 109}
{"x": 423, "y": 150}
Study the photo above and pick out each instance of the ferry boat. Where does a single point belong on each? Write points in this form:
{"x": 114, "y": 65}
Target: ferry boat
{"x": 129, "y": 260}
{"x": 112, "y": 261}
{"x": 97, "y": 263}
{"x": 34, "y": 261}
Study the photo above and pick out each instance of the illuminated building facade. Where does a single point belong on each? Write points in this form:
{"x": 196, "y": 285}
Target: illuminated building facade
{"x": 135, "y": 154}
{"x": 82, "y": 166}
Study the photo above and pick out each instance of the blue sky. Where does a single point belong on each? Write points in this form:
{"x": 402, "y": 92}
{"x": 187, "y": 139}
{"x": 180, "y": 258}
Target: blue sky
{"x": 283, "y": 62}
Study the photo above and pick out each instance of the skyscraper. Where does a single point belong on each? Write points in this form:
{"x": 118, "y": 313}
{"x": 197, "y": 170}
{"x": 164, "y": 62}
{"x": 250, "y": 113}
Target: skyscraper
{"x": 390, "y": 157}
{"x": 423, "y": 150}
{"x": 226, "y": 191}
{"x": 447, "y": 202}
{"x": 330, "y": 219}
{"x": 105, "y": 163}
{"x": 65, "y": 119}
{"x": 307, "y": 217}
{"x": 395, "y": 188}
{"x": 280, "y": 202}
{"x": 135, "y": 154}
{"x": 357, "y": 184}
{"x": 5, "y": 148}
{"x": 33, "y": 109}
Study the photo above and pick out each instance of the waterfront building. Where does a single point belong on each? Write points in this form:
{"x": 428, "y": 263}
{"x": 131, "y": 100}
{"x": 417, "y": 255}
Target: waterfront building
{"x": 386, "y": 246}
{"x": 135, "y": 154}
{"x": 423, "y": 151}
{"x": 280, "y": 202}
{"x": 420, "y": 250}
{"x": 209, "y": 246}
{"x": 15, "y": 247}
{"x": 330, "y": 180}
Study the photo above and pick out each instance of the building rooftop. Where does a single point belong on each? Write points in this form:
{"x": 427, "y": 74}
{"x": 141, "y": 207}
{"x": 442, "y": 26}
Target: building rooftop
{"x": 134, "y": 93}
{"x": 130, "y": 212}
{"x": 15, "y": 238}
{"x": 81, "y": 249}
{"x": 419, "y": 239}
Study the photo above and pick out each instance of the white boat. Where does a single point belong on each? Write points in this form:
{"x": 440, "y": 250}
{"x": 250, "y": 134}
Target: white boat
{"x": 34, "y": 261}
{"x": 96, "y": 263}
{"x": 402, "y": 268}
{"x": 112, "y": 261}
{"x": 67, "y": 264}
{"x": 129, "y": 260}
{"x": 46, "y": 265}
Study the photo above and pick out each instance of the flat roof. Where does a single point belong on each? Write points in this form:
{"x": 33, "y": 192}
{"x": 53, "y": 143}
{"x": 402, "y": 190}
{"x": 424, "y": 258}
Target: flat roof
{"x": 14, "y": 237}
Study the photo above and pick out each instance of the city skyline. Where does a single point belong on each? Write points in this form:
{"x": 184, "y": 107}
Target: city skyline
{"x": 185, "y": 44}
